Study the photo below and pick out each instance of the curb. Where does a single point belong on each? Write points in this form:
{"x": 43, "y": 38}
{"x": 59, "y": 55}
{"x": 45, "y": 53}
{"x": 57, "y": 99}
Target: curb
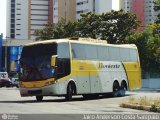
{"x": 139, "y": 107}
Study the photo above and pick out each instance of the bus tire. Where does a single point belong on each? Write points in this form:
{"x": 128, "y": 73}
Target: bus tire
{"x": 39, "y": 98}
{"x": 116, "y": 89}
{"x": 123, "y": 88}
{"x": 69, "y": 92}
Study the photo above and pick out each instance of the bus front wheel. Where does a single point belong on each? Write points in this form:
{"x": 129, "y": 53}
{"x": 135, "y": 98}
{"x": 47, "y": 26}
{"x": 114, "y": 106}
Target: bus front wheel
{"x": 69, "y": 92}
{"x": 39, "y": 98}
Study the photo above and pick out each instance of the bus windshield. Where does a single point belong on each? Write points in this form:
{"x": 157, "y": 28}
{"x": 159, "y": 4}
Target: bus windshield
{"x": 36, "y": 62}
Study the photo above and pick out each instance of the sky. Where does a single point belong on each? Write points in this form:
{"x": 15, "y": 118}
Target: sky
{"x": 3, "y": 17}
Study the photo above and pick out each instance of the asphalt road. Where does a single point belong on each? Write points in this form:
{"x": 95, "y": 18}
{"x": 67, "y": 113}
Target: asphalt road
{"x": 12, "y": 103}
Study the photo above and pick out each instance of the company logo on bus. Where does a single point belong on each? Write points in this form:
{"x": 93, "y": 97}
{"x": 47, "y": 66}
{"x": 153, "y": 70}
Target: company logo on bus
{"x": 101, "y": 65}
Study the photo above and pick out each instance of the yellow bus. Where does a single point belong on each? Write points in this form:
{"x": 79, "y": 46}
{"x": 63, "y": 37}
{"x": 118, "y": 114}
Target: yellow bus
{"x": 78, "y": 66}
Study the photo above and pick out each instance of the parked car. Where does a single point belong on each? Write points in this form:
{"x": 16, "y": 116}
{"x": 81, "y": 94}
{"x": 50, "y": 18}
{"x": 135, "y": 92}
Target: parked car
{"x": 5, "y": 83}
{"x": 4, "y": 76}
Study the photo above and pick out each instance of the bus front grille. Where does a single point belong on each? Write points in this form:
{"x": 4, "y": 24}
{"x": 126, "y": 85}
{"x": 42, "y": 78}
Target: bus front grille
{"x": 34, "y": 91}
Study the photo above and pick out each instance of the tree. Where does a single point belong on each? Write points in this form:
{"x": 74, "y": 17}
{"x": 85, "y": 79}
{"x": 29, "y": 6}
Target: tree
{"x": 113, "y": 27}
{"x": 121, "y": 25}
{"x": 148, "y": 44}
{"x": 89, "y": 25}
{"x": 62, "y": 29}
{"x": 65, "y": 29}
{"x": 46, "y": 33}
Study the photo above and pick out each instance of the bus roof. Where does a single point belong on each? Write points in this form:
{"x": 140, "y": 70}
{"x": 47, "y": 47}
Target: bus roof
{"x": 82, "y": 41}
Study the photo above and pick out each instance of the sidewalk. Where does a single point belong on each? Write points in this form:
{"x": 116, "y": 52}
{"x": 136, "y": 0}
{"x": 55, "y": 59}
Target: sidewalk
{"x": 148, "y": 90}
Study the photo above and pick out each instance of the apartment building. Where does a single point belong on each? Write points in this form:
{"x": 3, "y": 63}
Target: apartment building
{"x": 64, "y": 9}
{"x": 25, "y": 16}
{"x": 144, "y": 10}
{"x": 71, "y": 9}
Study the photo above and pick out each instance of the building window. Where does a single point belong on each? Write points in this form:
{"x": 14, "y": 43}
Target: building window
{"x": 12, "y": 10}
{"x": 55, "y": 8}
{"x": 12, "y": 31}
{"x": 12, "y": 25}
{"x": 81, "y": 3}
{"x": 12, "y": 15}
{"x": 12, "y": 36}
{"x": 81, "y": 11}
{"x": 12, "y": 20}
{"x": 12, "y": 5}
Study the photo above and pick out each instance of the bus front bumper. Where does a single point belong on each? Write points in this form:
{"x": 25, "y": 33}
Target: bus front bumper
{"x": 50, "y": 90}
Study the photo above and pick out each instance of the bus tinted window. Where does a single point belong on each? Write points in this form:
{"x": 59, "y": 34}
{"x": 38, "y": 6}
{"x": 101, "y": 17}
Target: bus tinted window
{"x": 63, "y": 50}
{"x": 133, "y": 55}
{"x": 124, "y": 54}
{"x": 114, "y": 53}
{"x": 103, "y": 53}
{"x": 91, "y": 51}
{"x": 78, "y": 51}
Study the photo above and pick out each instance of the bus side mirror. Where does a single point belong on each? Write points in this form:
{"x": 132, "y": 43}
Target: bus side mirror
{"x": 53, "y": 60}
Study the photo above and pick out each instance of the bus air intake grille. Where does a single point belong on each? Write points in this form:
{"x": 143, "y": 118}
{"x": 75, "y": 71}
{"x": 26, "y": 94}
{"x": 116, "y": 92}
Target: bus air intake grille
{"x": 34, "y": 91}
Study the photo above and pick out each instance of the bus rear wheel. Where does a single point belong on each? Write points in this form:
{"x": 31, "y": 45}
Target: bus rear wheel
{"x": 39, "y": 98}
{"x": 123, "y": 89}
{"x": 116, "y": 89}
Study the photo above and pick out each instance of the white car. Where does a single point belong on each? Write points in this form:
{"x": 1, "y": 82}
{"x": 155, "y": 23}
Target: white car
{"x": 4, "y": 76}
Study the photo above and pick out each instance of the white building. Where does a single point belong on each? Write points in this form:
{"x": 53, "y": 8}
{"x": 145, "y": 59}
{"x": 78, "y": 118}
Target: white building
{"x": 77, "y": 7}
{"x": 55, "y": 11}
{"x": 84, "y": 6}
{"x": 96, "y": 6}
{"x": 150, "y": 14}
{"x": 25, "y": 16}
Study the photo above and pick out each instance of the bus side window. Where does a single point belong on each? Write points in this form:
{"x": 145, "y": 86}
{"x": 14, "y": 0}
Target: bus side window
{"x": 73, "y": 54}
{"x": 124, "y": 54}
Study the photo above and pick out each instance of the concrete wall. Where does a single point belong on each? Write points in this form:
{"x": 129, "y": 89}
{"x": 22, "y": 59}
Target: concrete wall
{"x": 152, "y": 83}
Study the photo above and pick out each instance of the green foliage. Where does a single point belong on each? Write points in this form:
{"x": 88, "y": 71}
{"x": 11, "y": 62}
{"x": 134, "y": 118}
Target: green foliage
{"x": 148, "y": 43}
{"x": 64, "y": 29}
{"x": 113, "y": 27}
{"x": 153, "y": 108}
{"x": 54, "y": 31}
{"x": 46, "y": 33}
